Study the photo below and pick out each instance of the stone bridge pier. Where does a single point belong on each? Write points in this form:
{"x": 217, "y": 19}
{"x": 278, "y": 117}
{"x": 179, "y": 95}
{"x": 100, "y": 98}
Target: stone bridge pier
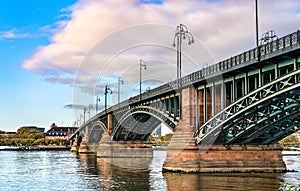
{"x": 126, "y": 154}
{"x": 183, "y": 155}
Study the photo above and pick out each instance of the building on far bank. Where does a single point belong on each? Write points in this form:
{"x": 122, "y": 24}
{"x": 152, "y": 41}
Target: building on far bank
{"x": 59, "y": 132}
{"x": 8, "y": 135}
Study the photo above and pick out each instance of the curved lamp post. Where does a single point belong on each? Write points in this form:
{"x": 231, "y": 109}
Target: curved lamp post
{"x": 97, "y": 101}
{"x": 141, "y": 67}
{"x": 120, "y": 81}
{"x": 181, "y": 33}
{"x": 107, "y": 90}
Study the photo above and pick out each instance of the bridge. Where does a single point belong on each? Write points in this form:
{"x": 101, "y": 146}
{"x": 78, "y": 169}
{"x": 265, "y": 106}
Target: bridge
{"x": 227, "y": 117}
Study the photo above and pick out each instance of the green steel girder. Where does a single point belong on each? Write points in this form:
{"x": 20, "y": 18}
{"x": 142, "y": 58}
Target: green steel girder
{"x": 135, "y": 127}
{"x": 250, "y": 112}
{"x": 272, "y": 118}
{"x": 132, "y": 126}
{"x": 134, "y": 130}
{"x": 95, "y": 131}
{"x": 128, "y": 127}
{"x": 287, "y": 127}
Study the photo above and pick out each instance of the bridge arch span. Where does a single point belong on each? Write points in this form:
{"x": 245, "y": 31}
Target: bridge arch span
{"x": 95, "y": 132}
{"x": 139, "y": 122}
{"x": 264, "y": 116}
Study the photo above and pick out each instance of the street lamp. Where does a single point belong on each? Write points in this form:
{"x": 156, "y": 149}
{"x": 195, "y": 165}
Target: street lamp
{"x": 120, "y": 81}
{"x": 75, "y": 124}
{"x": 89, "y": 111}
{"x": 141, "y": 67}
{"x": 181, "y": 33}
{"x": 107, "y": 90}
{"x": 97, "y": 101}
{"x": 256, "y": 22}
{"x": 84, "y": 111}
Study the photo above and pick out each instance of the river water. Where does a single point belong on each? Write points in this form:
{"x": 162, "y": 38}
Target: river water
{"x": 63, "y": 170}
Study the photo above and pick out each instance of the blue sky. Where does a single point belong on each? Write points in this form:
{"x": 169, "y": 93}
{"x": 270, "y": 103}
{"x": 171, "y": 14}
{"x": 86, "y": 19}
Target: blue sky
{"x": 26, "y": 98}
{"x": 45, "y": 44}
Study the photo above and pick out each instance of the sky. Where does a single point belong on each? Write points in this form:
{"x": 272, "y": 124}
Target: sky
{"x": 58, "y": 53}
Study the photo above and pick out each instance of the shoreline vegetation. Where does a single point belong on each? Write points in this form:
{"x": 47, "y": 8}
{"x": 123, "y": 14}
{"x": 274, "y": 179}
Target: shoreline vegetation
{"x": 28, "y": 139}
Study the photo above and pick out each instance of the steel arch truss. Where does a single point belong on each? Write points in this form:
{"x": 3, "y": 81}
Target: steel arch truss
{"x": 95, "y": 131}
{"x": 264, "y": 116}
{"x": 139, "y": 122}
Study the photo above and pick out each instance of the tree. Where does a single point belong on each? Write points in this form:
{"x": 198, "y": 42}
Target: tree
{"x": 22, "y": 132}
{"x": 25, "y": 132}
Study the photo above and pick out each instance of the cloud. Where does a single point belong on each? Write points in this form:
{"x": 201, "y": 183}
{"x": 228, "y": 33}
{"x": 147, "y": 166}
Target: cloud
{"x": 12, "y": 34}
{"x": 224, "y": 28}
{"x": 57, "y": 79}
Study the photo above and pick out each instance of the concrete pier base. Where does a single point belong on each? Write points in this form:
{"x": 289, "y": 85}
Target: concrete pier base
{"x": 135, "y": 155}
{"x": 83, "y": 148}
{"x": 74, "y": 147}
{"x": 74, "y": 144}
{"x": 220, "y": 158}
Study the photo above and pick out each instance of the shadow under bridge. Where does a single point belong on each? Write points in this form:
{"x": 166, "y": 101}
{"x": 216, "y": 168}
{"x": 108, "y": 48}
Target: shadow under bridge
{"x": 139, "y": 122}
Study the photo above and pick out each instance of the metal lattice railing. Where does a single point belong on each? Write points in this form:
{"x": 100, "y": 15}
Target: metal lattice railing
{"x": 266, "y": 122}
{"x": 287, "y": 42}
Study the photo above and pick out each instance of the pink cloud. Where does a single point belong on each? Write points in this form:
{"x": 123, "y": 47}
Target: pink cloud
{"x": 225, "y": 28}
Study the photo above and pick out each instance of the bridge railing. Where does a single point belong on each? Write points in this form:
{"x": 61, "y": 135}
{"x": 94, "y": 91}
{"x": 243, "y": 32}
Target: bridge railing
{"x": 285, "y": 43}
{"x": 259, "y": 53}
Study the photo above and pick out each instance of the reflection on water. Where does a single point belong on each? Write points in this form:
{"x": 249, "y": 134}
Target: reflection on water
{"x": 63, "y": 170}
{"x": 116, "y": 178}
{"x": 293, "y": 164}
{"x": 217, "y": 182}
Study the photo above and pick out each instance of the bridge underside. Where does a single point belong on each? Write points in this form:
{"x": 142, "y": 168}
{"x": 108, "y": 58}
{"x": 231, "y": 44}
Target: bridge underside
{"x": 140, "y": 122}
{"x": 95, "y": 134}
{"x": 136, "y": 127}
{"x": 267, "y": 123}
